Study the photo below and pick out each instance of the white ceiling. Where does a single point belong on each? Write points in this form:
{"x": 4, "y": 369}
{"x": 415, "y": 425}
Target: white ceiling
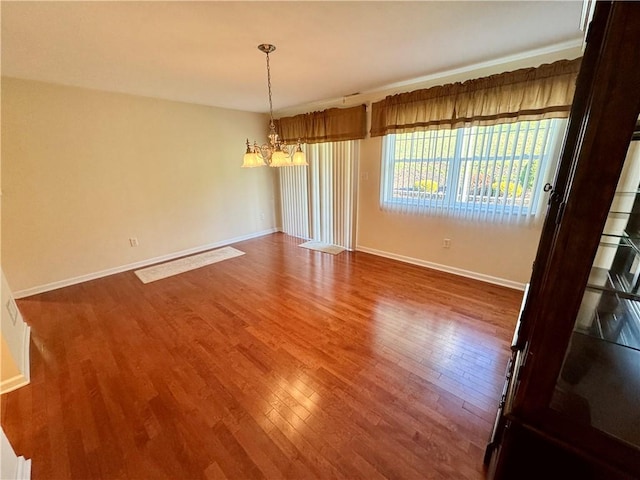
{"x": 205, "y": 52}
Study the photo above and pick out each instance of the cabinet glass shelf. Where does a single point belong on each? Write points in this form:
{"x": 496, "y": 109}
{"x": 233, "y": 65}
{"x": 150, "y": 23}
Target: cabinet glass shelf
{"x": 622, "y": 253}
{"x": 599, "y": 383}
{"x": 608, "y": 316}
{"x": 626, "y": 191}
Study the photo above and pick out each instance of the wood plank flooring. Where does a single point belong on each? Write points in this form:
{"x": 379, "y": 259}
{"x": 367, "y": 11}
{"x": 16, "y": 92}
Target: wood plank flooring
{"x": 281, "y": 363}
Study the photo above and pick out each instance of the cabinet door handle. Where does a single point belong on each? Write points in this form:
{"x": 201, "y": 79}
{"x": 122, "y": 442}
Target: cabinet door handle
{"x": 547, "y": 187}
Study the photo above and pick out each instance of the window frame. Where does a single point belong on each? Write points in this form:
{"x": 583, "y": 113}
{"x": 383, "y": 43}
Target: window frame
{"x": 442, "y": 203}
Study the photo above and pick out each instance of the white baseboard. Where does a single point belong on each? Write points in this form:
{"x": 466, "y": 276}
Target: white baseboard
{"x": 25, "y": 366}
{"x": 13, "y": 383}
{"x": 131, "y": 266}
{"x": 24, "y": 469}
{"x": 444, "y": 268}
{"x": 12, "y": 467}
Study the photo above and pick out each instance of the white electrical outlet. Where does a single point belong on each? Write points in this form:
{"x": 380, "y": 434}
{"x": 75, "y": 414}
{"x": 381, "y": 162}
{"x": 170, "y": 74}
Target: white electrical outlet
{"x": 446, "y": 243}
{"x": 133, "y": 241}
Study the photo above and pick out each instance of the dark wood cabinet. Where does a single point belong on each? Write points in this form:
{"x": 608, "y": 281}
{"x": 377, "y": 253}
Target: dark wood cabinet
{"x": 571, "y": 402}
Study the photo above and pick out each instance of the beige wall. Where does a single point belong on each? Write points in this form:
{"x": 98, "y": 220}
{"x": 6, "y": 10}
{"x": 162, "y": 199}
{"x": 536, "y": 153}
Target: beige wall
{"x": 85, "y": 170}
{"x": 497, "y": 253}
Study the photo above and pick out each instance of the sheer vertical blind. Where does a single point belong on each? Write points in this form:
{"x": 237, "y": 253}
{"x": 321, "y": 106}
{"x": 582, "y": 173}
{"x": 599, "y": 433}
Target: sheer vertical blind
{"x": 476, "y": 150}
{"x": 319, "y": 201}
{"x": 333, "y": 179}
{"x": 490, "y": 174}
{"x": 294, "y": 194}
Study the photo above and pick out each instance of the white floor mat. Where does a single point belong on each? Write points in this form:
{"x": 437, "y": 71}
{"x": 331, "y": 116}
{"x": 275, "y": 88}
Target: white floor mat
{"x": 181, "y": 265}
{"x": 323, "y": 247}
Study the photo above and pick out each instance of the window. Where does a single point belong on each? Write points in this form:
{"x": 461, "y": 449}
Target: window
{"x": 493, "y": 172}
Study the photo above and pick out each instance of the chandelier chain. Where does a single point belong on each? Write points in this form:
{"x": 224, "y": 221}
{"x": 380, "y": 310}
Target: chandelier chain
{"x": 269, "y": 85}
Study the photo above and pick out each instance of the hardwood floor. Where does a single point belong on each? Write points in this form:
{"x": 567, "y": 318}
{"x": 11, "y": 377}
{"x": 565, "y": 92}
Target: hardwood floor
{"x": 281, "y": 363}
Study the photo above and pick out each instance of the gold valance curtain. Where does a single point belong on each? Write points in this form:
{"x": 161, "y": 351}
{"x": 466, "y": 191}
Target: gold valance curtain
{"x": 332, "y": 125}
{"x": 525, "y": 94}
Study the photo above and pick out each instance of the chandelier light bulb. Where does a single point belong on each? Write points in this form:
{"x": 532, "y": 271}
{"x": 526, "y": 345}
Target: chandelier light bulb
{"x": 279, "y": 159}
{"x": 299, "y": 158}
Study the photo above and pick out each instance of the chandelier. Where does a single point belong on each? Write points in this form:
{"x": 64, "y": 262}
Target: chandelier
{"x": 275, "y": 153}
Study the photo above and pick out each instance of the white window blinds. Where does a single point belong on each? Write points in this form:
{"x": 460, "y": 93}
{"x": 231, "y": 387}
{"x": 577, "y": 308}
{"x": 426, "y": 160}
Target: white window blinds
{"x": 487, "y": 173}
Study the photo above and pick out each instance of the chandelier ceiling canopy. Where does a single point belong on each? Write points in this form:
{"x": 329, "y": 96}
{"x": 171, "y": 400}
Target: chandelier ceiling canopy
{"x": 275, "y": 153}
